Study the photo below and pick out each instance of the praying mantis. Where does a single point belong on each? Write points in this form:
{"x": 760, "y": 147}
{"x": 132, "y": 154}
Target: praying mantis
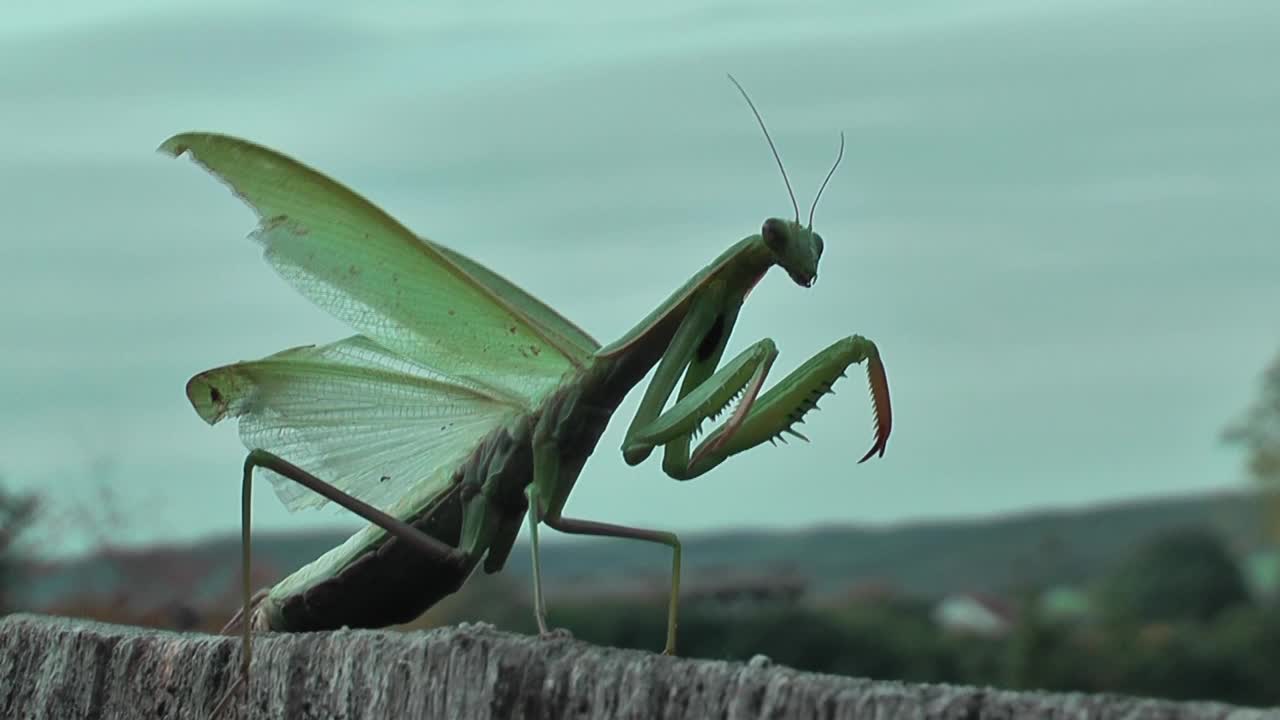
{"x": 464, "y": 407}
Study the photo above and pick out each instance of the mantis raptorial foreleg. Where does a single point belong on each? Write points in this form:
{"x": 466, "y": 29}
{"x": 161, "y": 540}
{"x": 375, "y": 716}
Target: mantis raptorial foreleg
{"x": 433, "y": 548}
{"x": 674, "y": 429}
{"x": 787, "y": 402}
{"x": 688, "y": 340}
{"x": 757, "y": 418}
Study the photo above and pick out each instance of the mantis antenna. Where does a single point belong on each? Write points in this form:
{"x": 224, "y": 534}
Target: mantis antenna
{"x": 771, "y": 145}
{"x": 830, "y": 172}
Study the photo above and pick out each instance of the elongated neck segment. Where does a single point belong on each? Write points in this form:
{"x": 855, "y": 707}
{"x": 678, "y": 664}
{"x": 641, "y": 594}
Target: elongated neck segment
{"x": 738, "y": 269}
{"x": 581, "y": 410}
{"x": 746, "y": 262}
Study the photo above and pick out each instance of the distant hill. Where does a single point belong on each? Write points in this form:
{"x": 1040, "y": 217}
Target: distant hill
{"x": 923, "y": 558}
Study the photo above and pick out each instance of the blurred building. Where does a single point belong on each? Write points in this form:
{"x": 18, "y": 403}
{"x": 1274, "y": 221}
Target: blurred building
{"x": 974, "y": 613}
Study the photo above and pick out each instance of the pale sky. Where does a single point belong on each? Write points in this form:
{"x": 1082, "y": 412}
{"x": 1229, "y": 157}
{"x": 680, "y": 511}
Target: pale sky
{"x": 1059, "y": 225}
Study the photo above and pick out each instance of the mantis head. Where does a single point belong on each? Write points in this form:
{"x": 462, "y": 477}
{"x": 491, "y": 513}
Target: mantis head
{"x": 795, "y": 248}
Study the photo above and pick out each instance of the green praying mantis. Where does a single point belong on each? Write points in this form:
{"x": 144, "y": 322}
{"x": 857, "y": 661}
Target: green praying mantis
{"x": 465, "y": 407}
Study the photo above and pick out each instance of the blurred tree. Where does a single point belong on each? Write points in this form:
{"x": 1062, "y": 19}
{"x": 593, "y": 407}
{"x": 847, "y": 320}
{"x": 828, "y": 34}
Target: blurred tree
{"x": 1242, "y": 652}
{"x": 1259, "y": 432}
{"x": 1179, "y": 575}
{"x": 16, "y": 515}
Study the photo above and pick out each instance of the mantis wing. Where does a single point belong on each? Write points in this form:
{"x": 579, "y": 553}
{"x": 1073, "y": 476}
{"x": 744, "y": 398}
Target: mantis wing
{"x": 536, "y": 310}
{"x": 408, "y": 295}
{"x": 375, "y": 425}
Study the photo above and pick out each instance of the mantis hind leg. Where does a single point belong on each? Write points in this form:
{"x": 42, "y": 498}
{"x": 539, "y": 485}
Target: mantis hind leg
{"x": 439, "y": 551}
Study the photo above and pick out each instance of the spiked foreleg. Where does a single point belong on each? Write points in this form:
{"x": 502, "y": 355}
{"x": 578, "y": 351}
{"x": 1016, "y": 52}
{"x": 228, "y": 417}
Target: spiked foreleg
{"x": 766, "y": 418}
{"x": 743, "y": 376}
{"x": 704, "y": 310}
{"x": 707, "y": 399}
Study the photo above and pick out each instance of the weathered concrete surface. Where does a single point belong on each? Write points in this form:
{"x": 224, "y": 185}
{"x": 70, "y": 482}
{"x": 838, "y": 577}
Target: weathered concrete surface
{"x": 60, "y": 669}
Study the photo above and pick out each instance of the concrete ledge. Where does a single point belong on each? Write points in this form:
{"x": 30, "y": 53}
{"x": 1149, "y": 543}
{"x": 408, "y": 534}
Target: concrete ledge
{"x": 64, "y": 668}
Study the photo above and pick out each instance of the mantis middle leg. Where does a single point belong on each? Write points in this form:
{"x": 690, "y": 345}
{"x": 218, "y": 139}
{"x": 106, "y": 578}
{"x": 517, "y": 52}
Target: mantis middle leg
{"x": 543, "y": 508}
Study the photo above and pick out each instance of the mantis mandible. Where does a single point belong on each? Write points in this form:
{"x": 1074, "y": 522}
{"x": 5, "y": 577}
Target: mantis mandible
{"x": 464, "y": 406}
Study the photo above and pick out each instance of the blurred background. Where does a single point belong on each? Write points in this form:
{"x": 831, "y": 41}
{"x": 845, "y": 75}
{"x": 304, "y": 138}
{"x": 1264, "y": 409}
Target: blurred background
{"x": 1057, "y": 221}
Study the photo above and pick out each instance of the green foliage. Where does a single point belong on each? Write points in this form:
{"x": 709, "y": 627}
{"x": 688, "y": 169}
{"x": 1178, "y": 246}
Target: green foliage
{"x": 1246, "y": 644}
{"x": 1233, "y": 658}
{"x": 1258, "y": 431}
{"x": 1042, "y": 654}
{"x": 16, "y": 514}
{"x": 925, "y": 559}
{"x": 881, "y": 641}
{"x": 897, "y": 640}
{"x": 1179, "y": 575}
{"x": 1174, "y": 620}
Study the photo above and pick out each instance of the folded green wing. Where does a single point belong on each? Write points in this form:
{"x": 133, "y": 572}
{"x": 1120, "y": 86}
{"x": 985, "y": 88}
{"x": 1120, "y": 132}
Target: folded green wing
{"x": 410, "y": 296}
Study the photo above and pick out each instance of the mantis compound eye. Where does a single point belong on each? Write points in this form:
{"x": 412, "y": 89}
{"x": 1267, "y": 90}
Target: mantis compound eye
{"x": 774, "y": 233}
{"x": 817, "y": 245}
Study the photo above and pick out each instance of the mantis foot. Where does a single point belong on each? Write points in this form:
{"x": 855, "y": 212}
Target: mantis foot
{"x": 555, "y": 634}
